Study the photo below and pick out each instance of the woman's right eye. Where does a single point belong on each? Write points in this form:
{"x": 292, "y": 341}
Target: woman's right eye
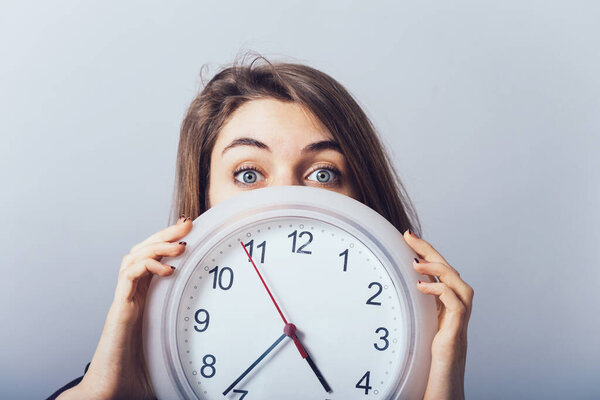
{"x": 248, "y": 176}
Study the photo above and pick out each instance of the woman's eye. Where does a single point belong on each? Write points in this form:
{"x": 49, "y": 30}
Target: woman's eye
{"x": 248, "y": 176}
{"x": 323, "y": 175}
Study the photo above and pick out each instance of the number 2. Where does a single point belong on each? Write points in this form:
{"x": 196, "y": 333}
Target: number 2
{"x": 379, "y": 290}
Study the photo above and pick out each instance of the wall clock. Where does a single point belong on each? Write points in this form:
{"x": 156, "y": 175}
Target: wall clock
{"x": 290, "y": 292}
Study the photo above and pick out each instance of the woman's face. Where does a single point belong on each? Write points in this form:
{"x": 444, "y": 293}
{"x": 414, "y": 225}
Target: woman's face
{"x": 267, "y": 142}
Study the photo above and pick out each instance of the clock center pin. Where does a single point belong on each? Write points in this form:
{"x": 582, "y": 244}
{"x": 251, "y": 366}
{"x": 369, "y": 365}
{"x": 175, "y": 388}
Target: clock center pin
{"x": 289, "y": 330}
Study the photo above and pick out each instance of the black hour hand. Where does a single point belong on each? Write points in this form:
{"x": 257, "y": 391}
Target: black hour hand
{"x": 254, "y": 364}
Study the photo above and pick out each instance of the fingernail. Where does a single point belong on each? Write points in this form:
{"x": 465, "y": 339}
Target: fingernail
{"x": 420, "y": 282}
{"x": 417, "y": 261}
{"x": 409, "y": 231}
{"x": 186, "y": 219}
{"x": 181, "y": 216}
{"x": 172, "y": 267}
{"x": 183, "y": 243}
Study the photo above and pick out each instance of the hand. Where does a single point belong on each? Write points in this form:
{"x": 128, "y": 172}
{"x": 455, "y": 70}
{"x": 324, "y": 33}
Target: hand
{"x": 118, "y": 369}
{"x": 454, "y": 298}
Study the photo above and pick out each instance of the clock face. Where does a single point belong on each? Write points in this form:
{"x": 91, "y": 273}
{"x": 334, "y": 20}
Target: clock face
{"x": 333, "y": 285}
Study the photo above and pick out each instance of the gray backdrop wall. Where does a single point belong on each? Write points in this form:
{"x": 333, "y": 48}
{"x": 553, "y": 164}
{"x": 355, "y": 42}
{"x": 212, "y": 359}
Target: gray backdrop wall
{"x": 491, "y": 110}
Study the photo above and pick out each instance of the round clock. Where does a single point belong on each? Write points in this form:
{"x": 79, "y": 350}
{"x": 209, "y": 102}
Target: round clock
{"x": 290, "y": 292}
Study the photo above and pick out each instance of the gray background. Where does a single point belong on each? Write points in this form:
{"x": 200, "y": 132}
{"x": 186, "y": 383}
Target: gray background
{"x": 491, "y": 110}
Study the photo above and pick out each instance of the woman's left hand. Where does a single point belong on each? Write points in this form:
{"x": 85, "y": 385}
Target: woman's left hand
{"x": 454, "y": 298}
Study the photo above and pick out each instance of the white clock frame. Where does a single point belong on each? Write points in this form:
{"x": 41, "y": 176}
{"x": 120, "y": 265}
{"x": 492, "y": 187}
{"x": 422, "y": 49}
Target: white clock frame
{"x": 249, "y": 207}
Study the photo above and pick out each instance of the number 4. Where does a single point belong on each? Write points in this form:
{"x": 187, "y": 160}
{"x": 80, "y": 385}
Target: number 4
{"x": 366, "y": 386}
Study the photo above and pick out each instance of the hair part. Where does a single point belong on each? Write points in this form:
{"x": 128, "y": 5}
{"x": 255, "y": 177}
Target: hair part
{"x": 375, "y": 178}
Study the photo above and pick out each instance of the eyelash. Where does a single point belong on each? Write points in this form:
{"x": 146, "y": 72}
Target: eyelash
{"x": 335, "y": 180}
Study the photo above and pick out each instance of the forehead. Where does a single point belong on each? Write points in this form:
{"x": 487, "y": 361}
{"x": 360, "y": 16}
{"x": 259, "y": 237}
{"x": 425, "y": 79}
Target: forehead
{"x": 273, "y": 122}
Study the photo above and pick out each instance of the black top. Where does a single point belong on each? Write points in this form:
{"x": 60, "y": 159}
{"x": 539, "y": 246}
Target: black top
{"x": 69, "y": 385}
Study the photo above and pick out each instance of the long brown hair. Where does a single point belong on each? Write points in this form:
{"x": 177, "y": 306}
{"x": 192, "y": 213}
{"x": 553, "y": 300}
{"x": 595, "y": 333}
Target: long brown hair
{"x": 377, "y": 183}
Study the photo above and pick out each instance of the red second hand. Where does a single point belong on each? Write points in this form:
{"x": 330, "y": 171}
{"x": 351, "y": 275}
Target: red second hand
{"x": 287, "y": 325}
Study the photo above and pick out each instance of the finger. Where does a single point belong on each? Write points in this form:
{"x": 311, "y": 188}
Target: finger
{"x": 438, "y": 303}
{"x": 447, "y": 275}
{"x": 129, "y": 277}
{"x": 455, "y": 309}
{"x": 155, "y": 251}
{"x": 169, "y": 234}
{"x": 423, "y": 248}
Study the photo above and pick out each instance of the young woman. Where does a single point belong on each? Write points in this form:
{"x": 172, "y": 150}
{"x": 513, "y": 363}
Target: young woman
{"x": 259, "y": 125}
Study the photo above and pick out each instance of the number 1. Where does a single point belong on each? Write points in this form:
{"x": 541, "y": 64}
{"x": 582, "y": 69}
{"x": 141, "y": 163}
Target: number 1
{"x": 345, "y": 254}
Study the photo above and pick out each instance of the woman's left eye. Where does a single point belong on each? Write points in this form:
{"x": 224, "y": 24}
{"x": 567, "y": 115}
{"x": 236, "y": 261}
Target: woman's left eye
{"x": 323, "y": 175}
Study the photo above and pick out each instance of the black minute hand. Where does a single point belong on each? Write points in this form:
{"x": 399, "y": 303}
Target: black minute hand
{"x": 254, "y": 364}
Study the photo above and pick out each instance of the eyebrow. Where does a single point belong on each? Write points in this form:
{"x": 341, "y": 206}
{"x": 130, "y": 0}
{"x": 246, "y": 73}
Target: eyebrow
{"x": 311, "y": 148}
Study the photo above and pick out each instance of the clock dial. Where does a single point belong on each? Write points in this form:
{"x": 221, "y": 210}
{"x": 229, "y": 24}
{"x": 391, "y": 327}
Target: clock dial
{"x": 343, "y": 299}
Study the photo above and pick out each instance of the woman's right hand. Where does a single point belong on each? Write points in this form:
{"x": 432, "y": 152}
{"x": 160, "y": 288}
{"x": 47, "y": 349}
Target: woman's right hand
{"x": 118, "y": 369}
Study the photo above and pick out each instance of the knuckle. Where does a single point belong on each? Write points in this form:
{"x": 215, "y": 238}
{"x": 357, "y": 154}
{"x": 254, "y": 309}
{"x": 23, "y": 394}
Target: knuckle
{"x": 130, "y": 275}
{"x": 168, "y": 249}
{"x": 155, "y": 253}
{"x": 125, "y": 273}
{"x": 430, "y": 247}
{"x": 159, "y": 250}
{"x": 470, "y": 291}
{"x": 458, "y": 309}
{"x": 138, "y": 246}
{"x": 451, "y": 268}
{"x": 127, "y": 260}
